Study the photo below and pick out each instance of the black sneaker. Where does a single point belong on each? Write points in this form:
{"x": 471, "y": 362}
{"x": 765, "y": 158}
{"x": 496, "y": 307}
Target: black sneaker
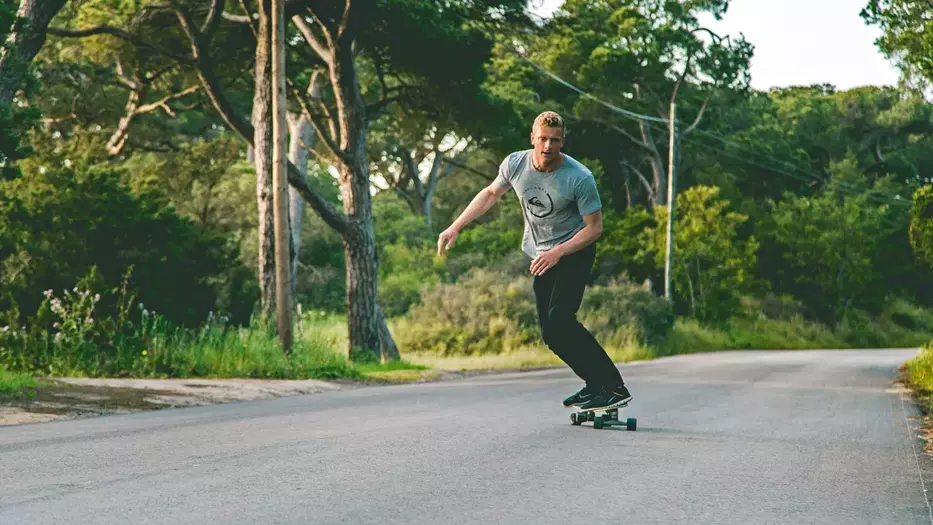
{"x": 608, "y": 398}
{"x": 585, "y": 394}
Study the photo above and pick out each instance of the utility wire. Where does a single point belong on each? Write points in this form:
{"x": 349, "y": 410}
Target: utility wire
{"x": 640, "y": 117}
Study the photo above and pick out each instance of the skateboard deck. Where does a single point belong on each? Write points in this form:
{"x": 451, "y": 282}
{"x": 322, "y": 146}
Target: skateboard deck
{"x": 603, "y": 418}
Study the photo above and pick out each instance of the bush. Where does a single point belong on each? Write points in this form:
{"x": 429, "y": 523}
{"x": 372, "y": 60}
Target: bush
{"x": 67, "y": 338}
{"x": 621, "y": 307}
{"x": 492, "y": 311}
{"x": 485, "y": 312}
{"x": 56, "y": 224}
{"x": 908, "y": 316}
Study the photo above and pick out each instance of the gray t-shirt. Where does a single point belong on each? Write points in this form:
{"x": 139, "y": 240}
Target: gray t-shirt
{"x": 553, "y": 203}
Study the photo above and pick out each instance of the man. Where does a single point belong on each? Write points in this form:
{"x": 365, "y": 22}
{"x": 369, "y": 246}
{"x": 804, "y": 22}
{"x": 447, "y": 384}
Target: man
{"x": 563, "y": 219}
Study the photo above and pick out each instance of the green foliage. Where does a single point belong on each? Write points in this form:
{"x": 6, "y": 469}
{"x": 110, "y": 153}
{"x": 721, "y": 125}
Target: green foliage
{"x": 493, "y": 312}
{"x": 827, "y": 245}
{"x": 712, "y": 264}
{"x": 484, "y": 312}
{"x": 15, "y": 119}
{"x": 408, "y": 262}
{"x": 623, "y": 314}
{"x": 620, "y": 250}
{"x": 16, "y": 385}
{"x": 905, "y": 33}
{"x": 920, "y": 375}
{"x": 69, "y": 339}
{"x": 921, "y": 224}
{"x": 61, "y": 221}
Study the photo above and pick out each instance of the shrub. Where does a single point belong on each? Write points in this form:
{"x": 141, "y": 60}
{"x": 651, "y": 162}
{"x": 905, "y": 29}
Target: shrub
{"x": 492, "y": 311}
{"x": 57, "y": 224}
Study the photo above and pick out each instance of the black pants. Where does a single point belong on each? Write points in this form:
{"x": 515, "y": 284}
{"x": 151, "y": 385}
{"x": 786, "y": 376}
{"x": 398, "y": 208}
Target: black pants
{"x": 558, "y": 294}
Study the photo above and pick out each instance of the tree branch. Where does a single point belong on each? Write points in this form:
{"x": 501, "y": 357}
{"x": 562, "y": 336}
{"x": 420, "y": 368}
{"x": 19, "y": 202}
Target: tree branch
{"x": 124, "y": 35}
{"x": 163, "y": 103}
{"x": 474, "y": 171}
{"x": 239, "y": 19}
{"x": 697, "y": 120}
{"x": 314, "y": 118}
{"x": 641, "y": 177}
{"x": 123, "y": 79}
{"x": 213, "y": 18}
{"x": 312, "y": 40}
{"x": 344, "y": 20}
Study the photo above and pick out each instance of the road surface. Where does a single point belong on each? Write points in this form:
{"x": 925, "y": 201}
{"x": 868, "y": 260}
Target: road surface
{"x": 822, "y": 437}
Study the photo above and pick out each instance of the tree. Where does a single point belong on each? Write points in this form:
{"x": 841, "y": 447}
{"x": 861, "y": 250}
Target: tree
{"x": 335, "y": 35}
{"x": 21, "y": 41}
{"x": 59, "y": 222}
{"x": 905, "y": 36}
{"x": 642, "y": 55}
{"x": 13, "y": 77}
{"x": 713, "y": 265}
{"x": 827, "y": 244}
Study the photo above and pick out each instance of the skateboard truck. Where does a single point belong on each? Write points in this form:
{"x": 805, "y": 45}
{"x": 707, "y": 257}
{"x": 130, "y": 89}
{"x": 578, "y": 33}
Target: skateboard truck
{"x": 608, "y": 418}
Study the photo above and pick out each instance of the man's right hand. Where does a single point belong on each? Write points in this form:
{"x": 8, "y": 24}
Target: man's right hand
{"x": 446, "y": 239}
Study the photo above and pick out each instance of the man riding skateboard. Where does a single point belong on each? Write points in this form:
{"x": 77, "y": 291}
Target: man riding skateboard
{"x": 563, "y": 220}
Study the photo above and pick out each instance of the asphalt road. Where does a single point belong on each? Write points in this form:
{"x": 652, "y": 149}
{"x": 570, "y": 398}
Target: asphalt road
{"x": 730, "y": 438}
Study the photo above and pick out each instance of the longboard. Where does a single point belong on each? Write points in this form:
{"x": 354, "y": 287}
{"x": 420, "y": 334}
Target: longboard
{"x": 607, "y": 418}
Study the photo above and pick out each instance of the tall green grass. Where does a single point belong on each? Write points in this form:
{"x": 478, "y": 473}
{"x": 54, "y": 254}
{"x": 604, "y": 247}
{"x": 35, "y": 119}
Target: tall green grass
{"x": 16, "y": 384}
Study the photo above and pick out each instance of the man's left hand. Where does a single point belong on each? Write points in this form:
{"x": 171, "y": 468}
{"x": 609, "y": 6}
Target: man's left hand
{"x": 545, "y": 261}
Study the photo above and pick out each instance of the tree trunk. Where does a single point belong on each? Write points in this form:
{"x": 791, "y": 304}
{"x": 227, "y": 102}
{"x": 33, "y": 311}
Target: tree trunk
{"x": 659, "y": 184}
{"x": 301, "y": 131}
{"x": 23, "y": 43}
{"x": 283, "y": 259}
{"x": 367, "y": 331}
{"x": 262, "y": 155}
{"x": 302, "y": 137}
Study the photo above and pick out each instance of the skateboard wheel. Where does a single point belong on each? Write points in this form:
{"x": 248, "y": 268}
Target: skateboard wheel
{"x": 630, "y": 424}
{"x": 574, "y": 420}
{"x": 598, "y": 422}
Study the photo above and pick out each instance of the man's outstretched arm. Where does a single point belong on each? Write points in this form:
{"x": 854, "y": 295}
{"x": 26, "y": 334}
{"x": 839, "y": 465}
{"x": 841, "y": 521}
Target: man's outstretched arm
{"x": 477, "y": 207}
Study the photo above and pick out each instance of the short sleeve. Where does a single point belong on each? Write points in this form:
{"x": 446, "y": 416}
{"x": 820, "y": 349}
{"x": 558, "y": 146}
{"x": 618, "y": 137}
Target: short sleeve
{"x": 504, "y": 179}
{"x": 588, "y": 196}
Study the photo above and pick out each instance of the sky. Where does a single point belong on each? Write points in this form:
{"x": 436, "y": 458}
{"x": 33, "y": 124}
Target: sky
{"x": 800, "y": 42}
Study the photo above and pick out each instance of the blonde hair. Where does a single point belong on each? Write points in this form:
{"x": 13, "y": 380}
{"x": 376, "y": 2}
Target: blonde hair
{"x": 549, "y": 119}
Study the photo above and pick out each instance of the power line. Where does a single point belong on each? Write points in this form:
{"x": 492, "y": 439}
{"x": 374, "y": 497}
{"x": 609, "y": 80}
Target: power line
{"x": 617, "y": 109}
{"x": 853, "y": 190}
{"x": 637, "y": 116}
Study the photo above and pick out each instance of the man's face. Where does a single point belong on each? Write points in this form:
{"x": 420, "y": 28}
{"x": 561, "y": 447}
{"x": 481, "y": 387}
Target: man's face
{"x": 547, "y": 142}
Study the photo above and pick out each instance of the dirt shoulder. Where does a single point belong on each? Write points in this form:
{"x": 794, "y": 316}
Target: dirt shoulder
{"x": 74, "y": 398}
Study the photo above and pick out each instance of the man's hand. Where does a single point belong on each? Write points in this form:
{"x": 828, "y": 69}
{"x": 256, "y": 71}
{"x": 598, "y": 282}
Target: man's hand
{"x": 545, "y": 261}
{"x": 446, "y": 239}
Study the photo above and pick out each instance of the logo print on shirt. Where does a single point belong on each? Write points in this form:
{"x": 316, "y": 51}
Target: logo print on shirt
{"x": 538, "y": 202}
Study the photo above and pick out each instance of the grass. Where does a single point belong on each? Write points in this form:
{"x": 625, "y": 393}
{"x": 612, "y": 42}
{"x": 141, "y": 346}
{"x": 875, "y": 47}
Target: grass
{"x": 525, "y": 357}
{"x": 217, "y": 350}
{"x": 918, "y": 374}
{"x": 403, "y": 371}
{"x": 15, "y": 385}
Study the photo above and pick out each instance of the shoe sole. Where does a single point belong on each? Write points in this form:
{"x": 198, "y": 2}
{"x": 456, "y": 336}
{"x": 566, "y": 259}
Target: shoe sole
{"x": 619, "y": 404}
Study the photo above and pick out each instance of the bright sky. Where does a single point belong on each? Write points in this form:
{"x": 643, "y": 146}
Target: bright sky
{"x": 801, "y": 42}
